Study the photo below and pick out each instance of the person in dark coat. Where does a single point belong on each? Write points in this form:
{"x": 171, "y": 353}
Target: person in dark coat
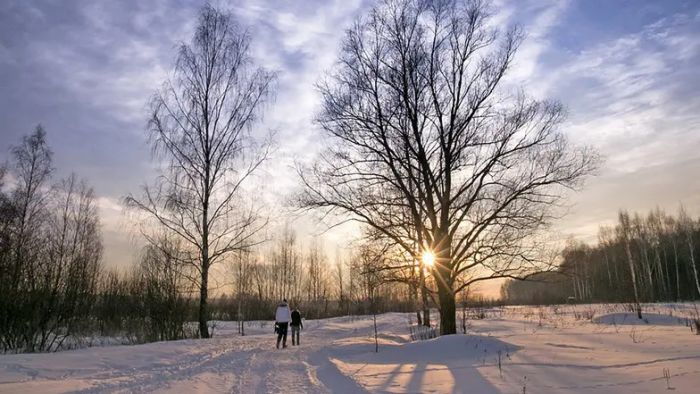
{"x": 297, "y": 325}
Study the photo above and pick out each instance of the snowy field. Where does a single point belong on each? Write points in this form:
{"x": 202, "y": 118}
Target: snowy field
{"x": 561, "y": 349}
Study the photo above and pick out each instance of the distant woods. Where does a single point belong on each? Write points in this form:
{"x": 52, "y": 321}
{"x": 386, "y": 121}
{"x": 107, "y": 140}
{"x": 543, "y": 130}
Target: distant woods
{"x": 319, "y": 284}
{"x": 642, "y": 258}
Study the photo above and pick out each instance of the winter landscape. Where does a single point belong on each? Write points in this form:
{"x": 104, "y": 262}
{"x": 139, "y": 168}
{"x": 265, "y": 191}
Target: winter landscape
{"x": 348, "y": 196}
{"x": 558, "y": 349}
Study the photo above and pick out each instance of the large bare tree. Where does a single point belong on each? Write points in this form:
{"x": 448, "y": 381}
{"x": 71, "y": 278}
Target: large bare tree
{"x": 201, "y": 126}
{"x": 417, "y": 121}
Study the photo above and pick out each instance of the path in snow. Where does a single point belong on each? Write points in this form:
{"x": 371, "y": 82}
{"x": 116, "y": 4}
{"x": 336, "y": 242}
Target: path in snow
{"x": 226, "y": 363}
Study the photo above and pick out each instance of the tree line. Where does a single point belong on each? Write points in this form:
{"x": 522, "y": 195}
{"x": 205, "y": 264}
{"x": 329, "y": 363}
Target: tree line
{"x": 642, "y": 258}
{"x": 308, "y": 278}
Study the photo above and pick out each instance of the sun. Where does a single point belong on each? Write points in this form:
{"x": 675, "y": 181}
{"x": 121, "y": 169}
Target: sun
{"x": 428, "y": 258}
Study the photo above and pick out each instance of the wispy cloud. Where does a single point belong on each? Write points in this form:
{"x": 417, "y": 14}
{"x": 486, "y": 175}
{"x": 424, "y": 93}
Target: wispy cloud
{"x": 536, "y": 19}
{"x": 632, "y": 98}
{"x": 301, "y": 43}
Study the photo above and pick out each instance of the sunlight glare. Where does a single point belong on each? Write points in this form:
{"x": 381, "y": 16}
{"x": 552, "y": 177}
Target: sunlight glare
{"x": 428, "y": 258}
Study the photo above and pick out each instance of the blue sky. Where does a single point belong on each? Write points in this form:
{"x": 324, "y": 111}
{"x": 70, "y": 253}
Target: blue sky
{"x": 626, "y": 70}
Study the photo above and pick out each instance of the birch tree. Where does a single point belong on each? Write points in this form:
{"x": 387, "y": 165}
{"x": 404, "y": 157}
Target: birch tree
{"x": 201, "y": 127}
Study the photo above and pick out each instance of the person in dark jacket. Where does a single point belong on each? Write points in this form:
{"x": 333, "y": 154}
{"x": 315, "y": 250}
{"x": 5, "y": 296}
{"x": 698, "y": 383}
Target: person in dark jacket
{"x": 297, "y": 325}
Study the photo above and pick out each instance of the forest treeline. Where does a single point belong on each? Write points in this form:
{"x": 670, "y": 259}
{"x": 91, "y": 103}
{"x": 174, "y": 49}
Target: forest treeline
{"x": 642, "y": 258}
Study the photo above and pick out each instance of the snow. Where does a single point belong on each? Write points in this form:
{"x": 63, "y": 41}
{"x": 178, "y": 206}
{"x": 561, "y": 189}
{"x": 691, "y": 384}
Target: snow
{"x": 562, "y": 349}
{"x": 629, "y": 318}
{"x": 439, "y": 365}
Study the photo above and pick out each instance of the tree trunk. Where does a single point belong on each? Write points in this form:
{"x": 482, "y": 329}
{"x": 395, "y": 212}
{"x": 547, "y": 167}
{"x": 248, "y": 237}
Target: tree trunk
{"x": 607, "y": 267}
{"x": 647, "y": 270}
{"x": 443, "y": 277}
{"x": 203, "y": 307}
{"x": 241, "y": 321}
{"x": 424, "y": 296}
{"x": 414, "y": 297}
{"x": 203, "y": 288}
{"x": 376, "y": 337}
{"x": 448, "y": 311}
{"x": 634, "y": 279}
{"x": 691, "y": 249}
{"x": 678, "y": 276}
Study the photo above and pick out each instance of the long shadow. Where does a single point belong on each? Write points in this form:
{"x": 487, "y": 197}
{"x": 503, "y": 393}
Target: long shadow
{"x": 455, "y": 356}
{"x": 388, "y": 382}
{"x": 415, "y": 384}
{"x": 331, "y": 377}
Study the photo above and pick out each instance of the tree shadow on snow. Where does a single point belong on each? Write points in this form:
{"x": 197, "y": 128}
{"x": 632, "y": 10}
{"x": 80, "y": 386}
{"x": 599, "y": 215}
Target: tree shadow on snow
{"x": 447, "y": 363}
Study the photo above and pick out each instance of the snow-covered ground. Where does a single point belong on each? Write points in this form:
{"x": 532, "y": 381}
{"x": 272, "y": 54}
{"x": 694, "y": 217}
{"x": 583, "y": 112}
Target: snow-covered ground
{"x": 563, "y": 349}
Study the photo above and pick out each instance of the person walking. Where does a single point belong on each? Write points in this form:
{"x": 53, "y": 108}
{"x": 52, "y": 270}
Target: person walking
{"x": 297, "y": 326}
{"x": 282, "y": 318}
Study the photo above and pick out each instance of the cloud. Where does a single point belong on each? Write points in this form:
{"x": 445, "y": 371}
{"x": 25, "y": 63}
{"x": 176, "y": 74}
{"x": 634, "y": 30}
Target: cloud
{"x": 301, "y": 42}
{"x": 116, "y": 66}
{"x": 537, "y": 19}
{"x": 121, "y": 247}
{"x": 629, "y": 84}
{"x": 86, "y": 70}
{"x": 632, "y": 98}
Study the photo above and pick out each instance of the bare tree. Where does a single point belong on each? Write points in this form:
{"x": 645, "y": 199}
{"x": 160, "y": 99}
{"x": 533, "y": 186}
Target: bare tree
{"x": 242, "y": 267}
{"x": 287, "y": 261}
{"x": 165, "y": 288}
{"x": 24, "y": 216}
{"x": 33, "y": 170}
{"x": 50, "y": 253}
{"x": 201, "y": 126}
{"x": 416, "y": 123}
{"x": 7, "y": 215}
{"x": 368, "y": 258}
{"x": 67, "y": 275}
{"x": 624, "y": 232}
{"x": 670, "y": 226}
{"x": 339, "y": 276}
{"x": 317, "y": 278}
{"x": 605, "y": 238}
{"x": 687, "y": 228}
